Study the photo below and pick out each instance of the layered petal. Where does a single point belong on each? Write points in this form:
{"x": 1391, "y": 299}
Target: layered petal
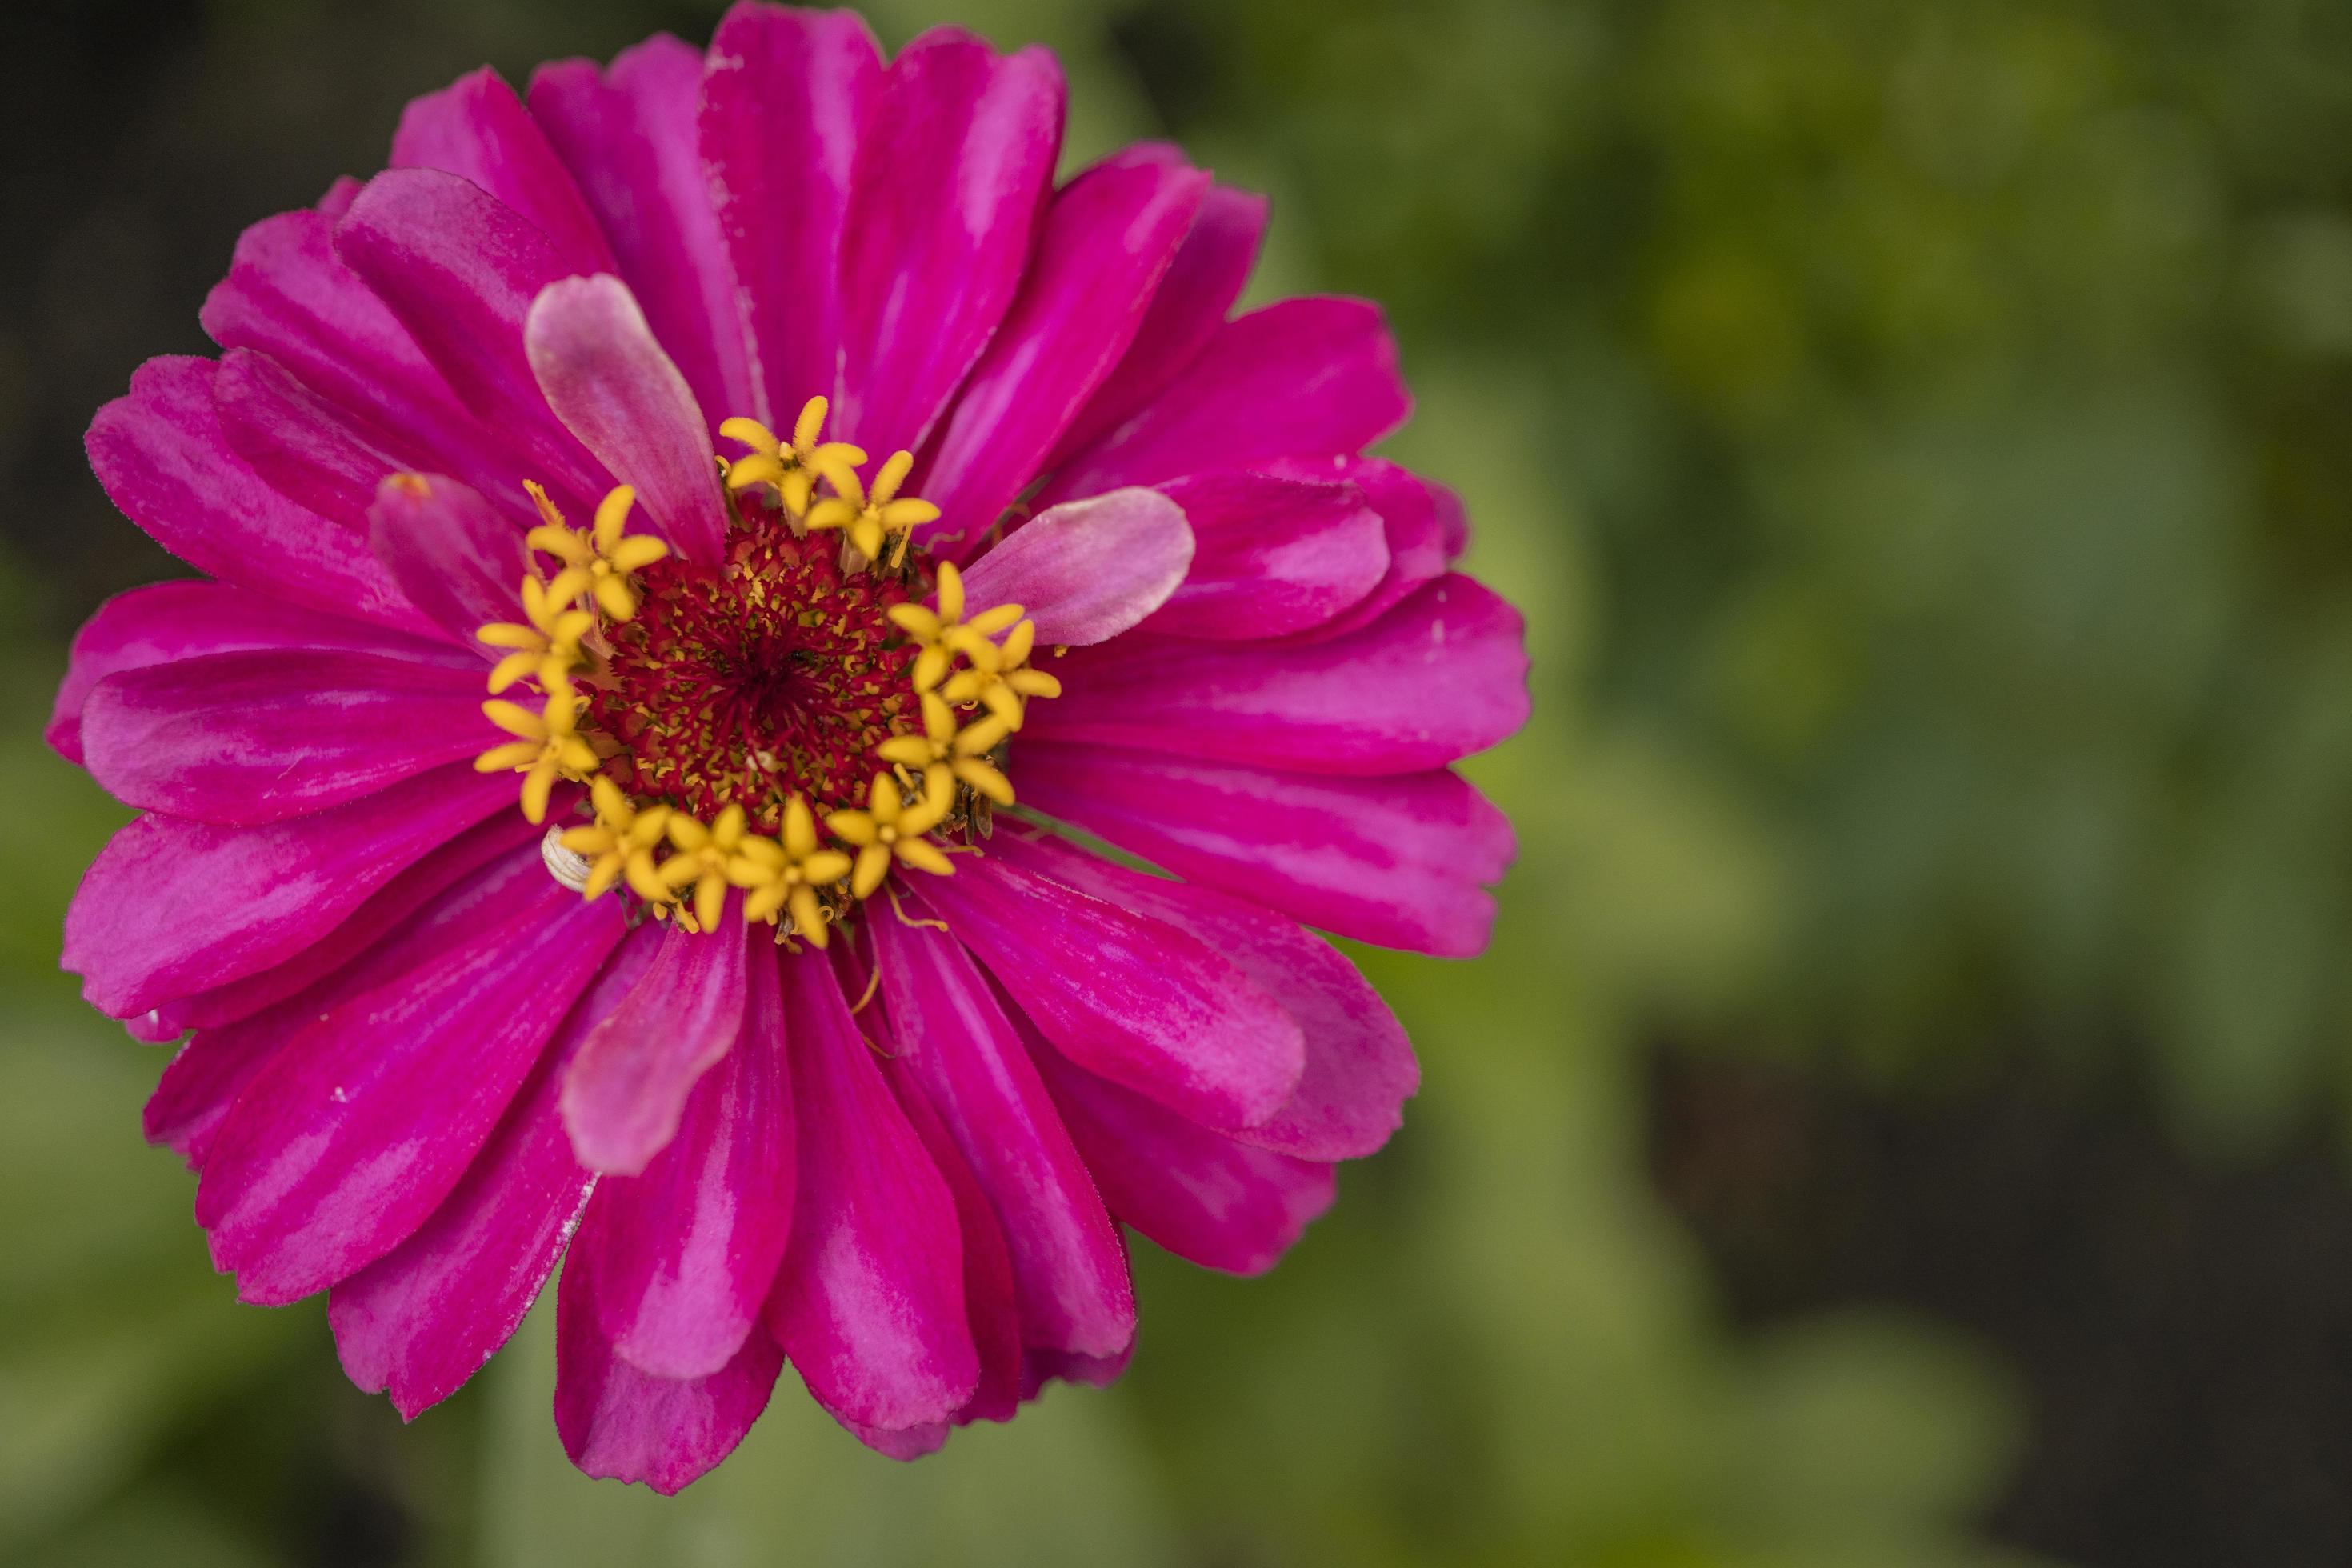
{"x": 1105, "y": 239}
{"x": 1131, "y": 998}
{"x": 625, "y": 1092}
{"x": 261, "y": 736}
{"x": 166, "y": 622}
{"x": 460, "y": 561}
{"x": 685, "y": 1252}
{"x": 1402, "y": 861}
{"x": 631, "y": 137}
{"x": 954, "y": 1041}
{"x": 870, "y": 1305}
{"x": 477, "y": 128}
{"x": 1198, "y": 291}
{"x": 610, "y": 382}
{"x": 786, "y": 96}
{"x": 202, "y": 1081}
{"x": 321, "y": 457}
{"x": 1302, "y": 376}
{"x": 1271, "y": 556}
{"x": 1359, "y": 1070}
{"x": 956, "y": 160}
{"x": 166, "y": 461}
{"x": 1420, "y": 521}
{"x": 369, "y": 1114}
{"x": 1449, "y": 666}
{"x": 620, "y": 1423}
{"x": 421, "y": 1319}
{"x": 1088, "y": 570}
{"x": 173, "y": 906}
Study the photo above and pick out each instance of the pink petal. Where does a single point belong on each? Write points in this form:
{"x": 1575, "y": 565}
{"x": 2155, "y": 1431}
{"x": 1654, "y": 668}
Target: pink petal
{"x": 289, "y": 296}
{"x": 478, "y": 129}
{"x": 1131, "y": 998}
{"x": 247, "y": 738}
{"x": 460, "y": 269}
{"x": 954, "y": 1041}
{"x": 1418, "y": 518}
{"x": 165, "y": 460}
{"x": 782, "y": 104}
{"x": 460, "y": 561}
{"x": 1271, "y": 556}
{"x": 956, "y": 160}
{"x": 1088, "y": 570}
{"x": 171, "y": 907}
{"x": 204, "y": 1079}
{"x": 1105, "y": 239}
{"x": 1203, "y": 1196}
{"x": 1402, "y": 861}
{"x": 369, "y": 1114}
{"x": 1310, "y": 375}
{"x": 1202, "y": 283}
{"x": 1360, "y": 1068}
{"x": 620, "y": 1423}
{"x": 165, "y": 622}
{"x": 1438, "y": 677}
{"x": 321, "y": 457}
{"x": 630, "y": 137}
{"x": 623, "y": 1097}
{"x": 421, "y": 1319}
{"x": 685, "y": 1252}
{"x": 609, "y": 382}
{"x": 869, "y": 1307}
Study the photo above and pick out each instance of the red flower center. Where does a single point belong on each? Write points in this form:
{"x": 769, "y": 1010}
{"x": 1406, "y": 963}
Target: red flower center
{"x": 778, "y": 675}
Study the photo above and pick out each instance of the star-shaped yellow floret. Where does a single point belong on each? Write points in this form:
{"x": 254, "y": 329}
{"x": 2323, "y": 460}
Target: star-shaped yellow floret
{"x": 621, "y": 843}
{"x": 598, "y": 561}
{"x": 892, "y": 827}
{"x": 871, "y": 519}
{"x": 784, "y": 876}
{"x": 960, "y": 754}
{"x": 548, "y": 745}
{"x": 794, "y": 466}
{"x": 546, "y": 643}
{"x": 934, "y": 631}
{"x": 701, "y": 858}
{"x": 997, "y": 676}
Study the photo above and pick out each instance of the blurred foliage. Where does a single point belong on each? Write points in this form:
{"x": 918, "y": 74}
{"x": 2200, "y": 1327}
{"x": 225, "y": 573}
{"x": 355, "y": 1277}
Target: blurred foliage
{"x": 1916, "y": 435}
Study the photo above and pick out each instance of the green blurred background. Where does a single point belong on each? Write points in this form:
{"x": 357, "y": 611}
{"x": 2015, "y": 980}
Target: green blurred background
{"x": 1902, "y": 1119}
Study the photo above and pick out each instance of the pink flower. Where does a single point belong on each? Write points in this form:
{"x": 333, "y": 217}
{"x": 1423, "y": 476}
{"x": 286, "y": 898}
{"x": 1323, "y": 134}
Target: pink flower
{"x": 665, "y": 403}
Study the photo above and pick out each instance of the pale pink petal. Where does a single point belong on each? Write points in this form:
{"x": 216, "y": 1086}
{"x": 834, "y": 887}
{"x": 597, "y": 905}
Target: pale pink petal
{"x": 1088, "y": 570}
{"x": 623, "y": 1096}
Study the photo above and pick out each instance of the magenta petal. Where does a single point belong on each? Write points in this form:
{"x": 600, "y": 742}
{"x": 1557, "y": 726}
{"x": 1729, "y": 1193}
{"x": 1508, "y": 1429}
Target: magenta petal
{"x": 204, "y": 1079}
{"x": 460, "y": 269}
{"x": 609, "y": 382}
{"x": 1418, "y": 518}
{"x": 1441, "y": 676}
{"x": 165, "y": 460}
{"x": 625, "y": 1094}
{"x": 1271, "y": 556}
{"x": 956, "y": 160}
{"x": 1308, "y": 375}
{"x": 631, "y": 139}
{"x": 171, "y": 907}
{"x": 684, "y": 1253}
{"x": 1359, "y": 1067}
{"x": 620, "y": 1423}
{"x": 246, "y": 738}
{"x": 783, "y": 105}
{"x": 869, "y": 1307}
{"x": 477, "y": 128}
{"x": 460, "y": 561}
{"x": 165, "y": 622}
{"x": 1402, "y": 861}
{"x": 290, "y": 296}
{"x": 1106, "y": 238}
{"x": 1088, "y": 570}
{"x": 1201, "y": 1194}
{"x": 321, "y": 456}
{"x": 367, "y": 1117}
{"x": 953, "y": 1040}
{"x": 421, "y": 1319}
{"x": 1202, "y": 283}
{"x": 1131, "y": 998}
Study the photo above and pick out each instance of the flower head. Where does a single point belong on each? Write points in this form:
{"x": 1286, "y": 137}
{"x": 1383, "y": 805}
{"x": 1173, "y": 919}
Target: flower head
{"x": 718, "y": 885}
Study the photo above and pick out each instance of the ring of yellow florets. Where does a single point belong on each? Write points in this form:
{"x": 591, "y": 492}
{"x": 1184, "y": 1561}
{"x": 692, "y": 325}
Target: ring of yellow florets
{"x": 792, "y": 725}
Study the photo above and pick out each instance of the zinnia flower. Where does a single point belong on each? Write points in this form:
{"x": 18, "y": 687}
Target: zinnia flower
{"x": 698, "y": 558}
